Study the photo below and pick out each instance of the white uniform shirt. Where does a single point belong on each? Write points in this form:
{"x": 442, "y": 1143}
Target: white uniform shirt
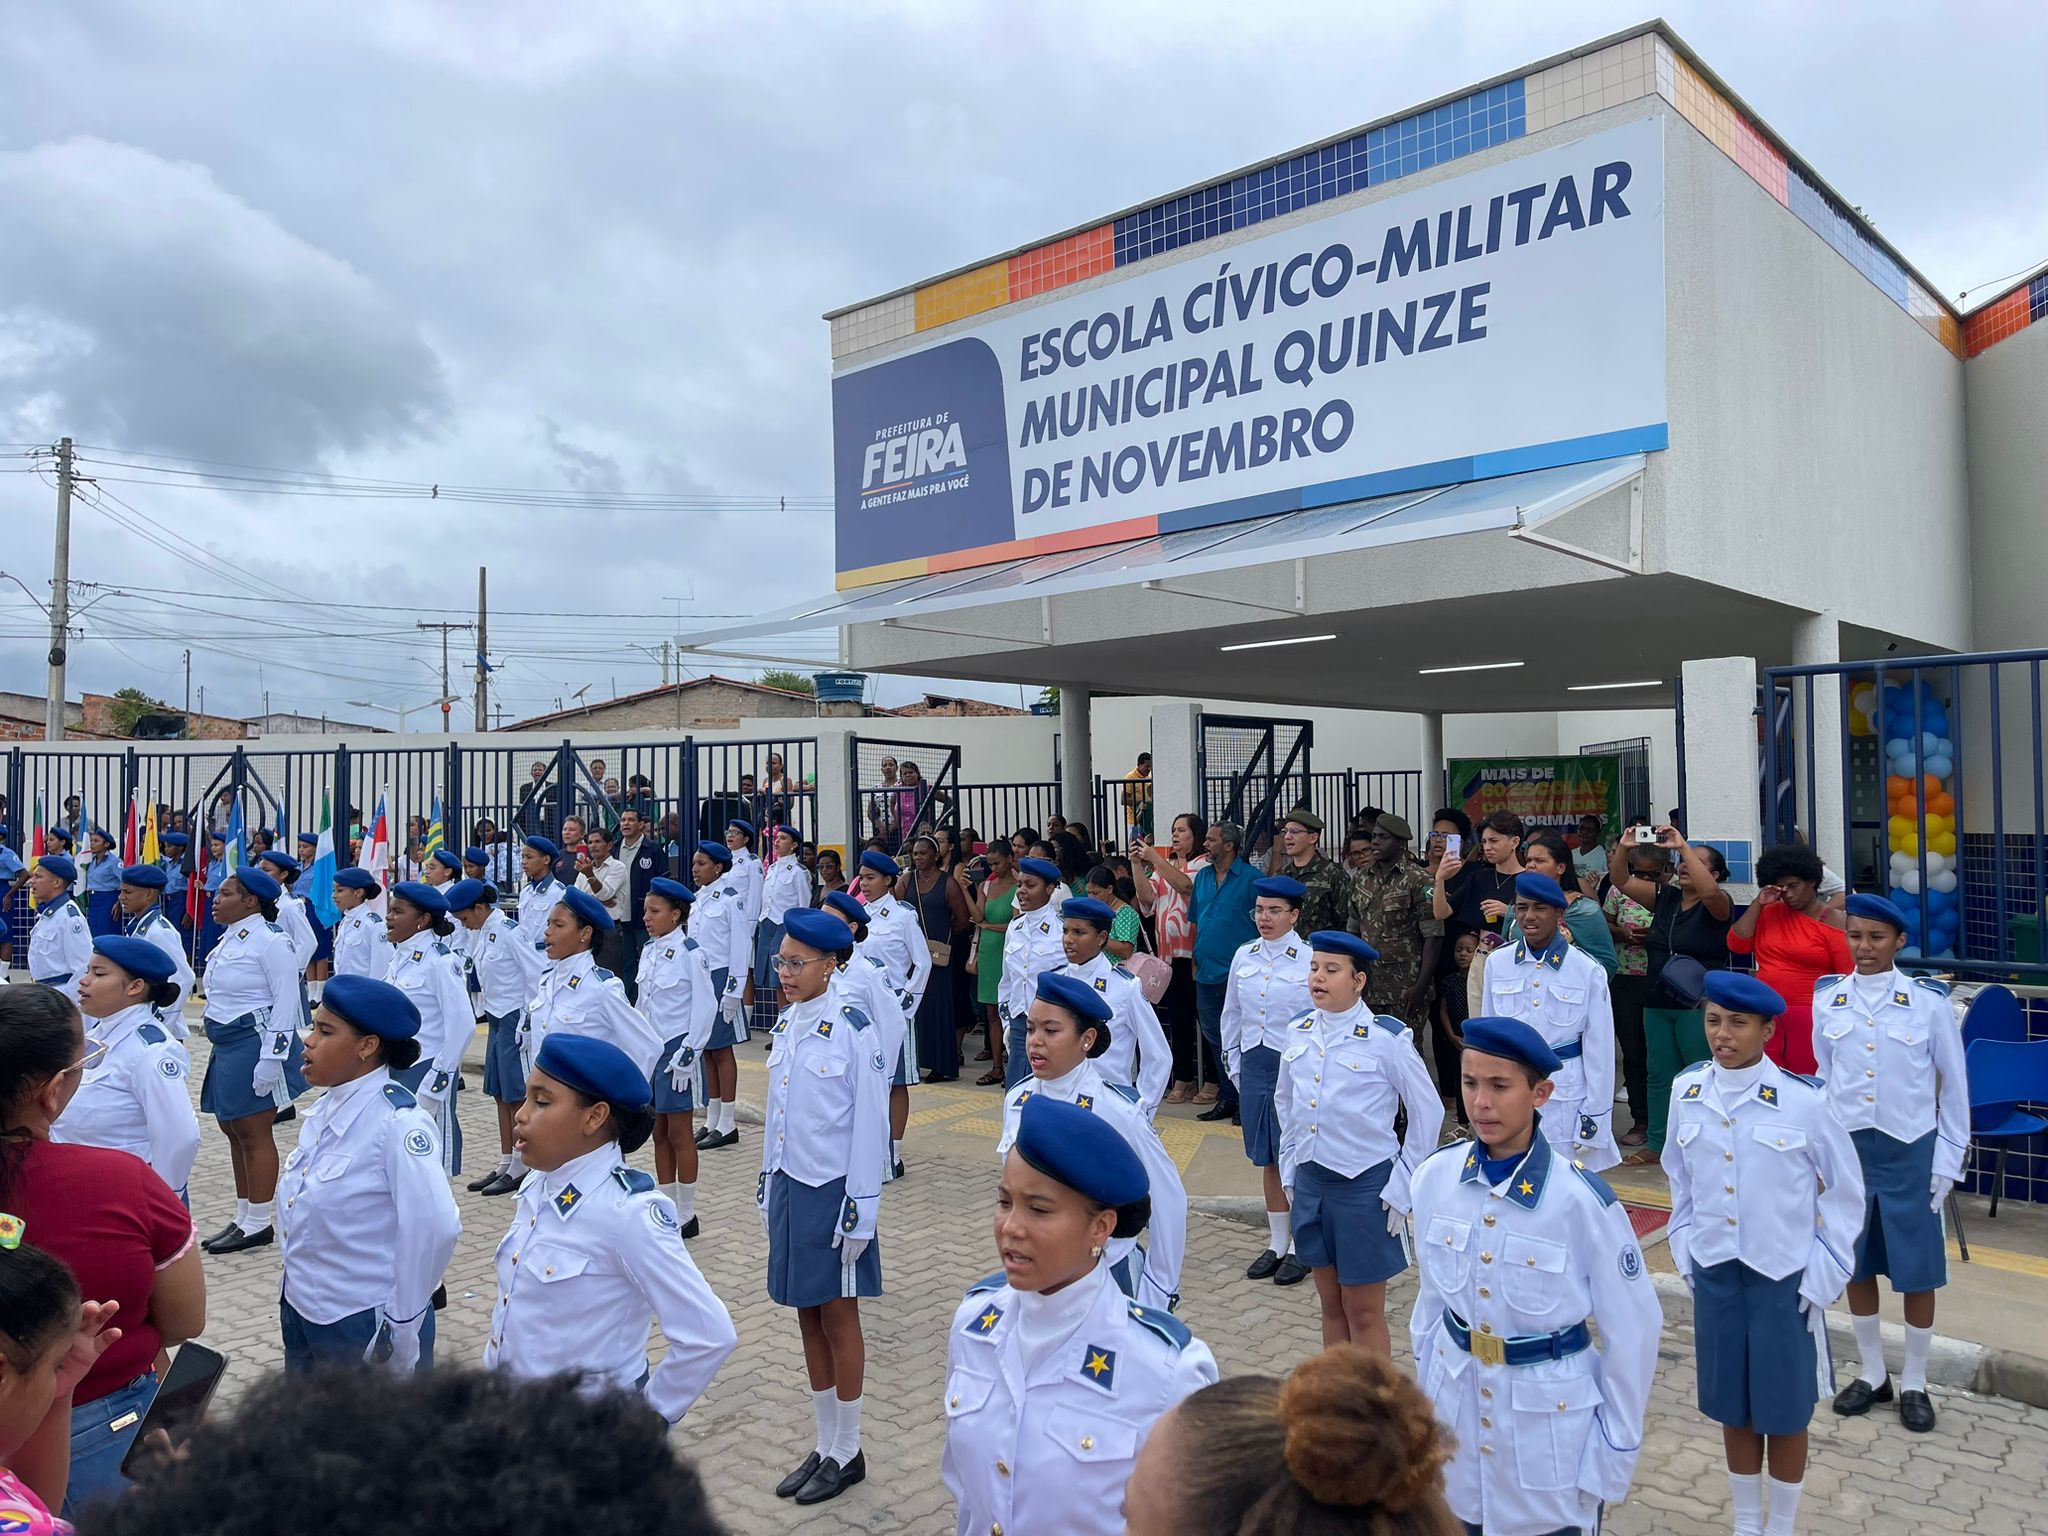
{"x": 828, "y": 1105}
{"x": 580, "y": 997}
{"x": 361, "y": 947}
{"x": 1266, "y": 993}
{"x": 1167, "y": 1231}
{"x": 364, "y": 1216}
{"x": 1538, "y": 1446}
{"x": 1031, "y": 946}
{"x": 1889, "y": 1053}
{"x": 506, "y": 966}
{"x": 537, "y": 898}
{"x": 1341, "y": 1078}
{"x": 1044, "y": 1442}
{"x": 897, "y": 940}
{"x": 431, "y": 974}
{"x": 594, "y": 1253}
{"x": 718, "y": 922}
{"x": 784, "y": 884}
{"x": 60, "y": 944}
{"x": 1762, "y": 1171}
{"x": 251, "y": 969}
{"x": 865, "y": 982}
{"x": 137, "y": 1099}
{"x": 1138, "y": 1053}
{"x": 746, "y": 878}
{"x": 291, "y": 917}
{"x": 1562, "y": 994}
{"x": 163, "y": 933}
{"x": 676, "y": 994}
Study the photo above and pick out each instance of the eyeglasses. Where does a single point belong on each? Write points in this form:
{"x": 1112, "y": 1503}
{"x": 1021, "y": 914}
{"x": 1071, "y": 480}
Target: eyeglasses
{"x": 95, "y": 1053}
{"x": 787, "y": 965}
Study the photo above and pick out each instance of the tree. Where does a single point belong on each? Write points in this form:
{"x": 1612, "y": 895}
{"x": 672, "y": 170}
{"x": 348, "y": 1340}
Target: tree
{"x": 1050, "y": 697}
{"x": 794, "y": 682}
{"x": 130, "y": 705}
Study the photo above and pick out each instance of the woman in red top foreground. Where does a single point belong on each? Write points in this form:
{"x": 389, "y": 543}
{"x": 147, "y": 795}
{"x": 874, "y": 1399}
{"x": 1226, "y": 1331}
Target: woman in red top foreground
{"x": 1797, "y": 939}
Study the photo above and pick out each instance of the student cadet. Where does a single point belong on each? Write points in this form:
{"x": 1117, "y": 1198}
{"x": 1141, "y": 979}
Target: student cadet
{"x": 747, "y": 878}
{"x": 595, "y": 1252}
{"x": 442, "y": 867}
{"x": 679, "y": 997}
{"x": 896, "y": 938}
{"x": 507, "y": 971}
{"x": 541, "y": 890}
{"x": 102, "y": 882}
{"x": 1522, "y": 1257}
{"x": 431, "y": 975}
{"x": 177, "y": 880}
{"x": 132, "y": 1095}
{"x": 577, "y": 996}
{"x": 361, "y": 946}
{"x": 725, "y": 936}
{"x": 785, "y": 883}
{"x": 291, "y": 910}
{"x": 1069, "y": 1030}
{"x": 1032, "y": 944}
{"x": 142, "y": 890}
{"x": 1267, "y": 992}
{"x": 1344, "y": 1075}
{"x": 1561, "y": 991}
{"x": 864, "y": 978}
{"x": 252, "y": 1024}
{"x": 1766, "y": 1207}
{"x": 366, "y": 1224}
{"x": 822, "y": 1160}
{"x": 1138, "y": 1053}
{"x": 1890, "y": 1057}
{"x": 1054, "y": 1377}
{"x": 60, "y": 943}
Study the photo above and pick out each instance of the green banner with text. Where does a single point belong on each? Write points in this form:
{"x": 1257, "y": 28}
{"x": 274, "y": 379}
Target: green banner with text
{"x": 1544, "y": 791}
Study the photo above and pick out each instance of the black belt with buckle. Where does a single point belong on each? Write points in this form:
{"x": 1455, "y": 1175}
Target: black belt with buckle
{"x": 1527, "y": 1349}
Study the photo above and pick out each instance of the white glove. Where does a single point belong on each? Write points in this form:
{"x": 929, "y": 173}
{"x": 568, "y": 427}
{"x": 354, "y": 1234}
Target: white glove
{"x": 729, "y": 1008}
{"x": 761, "y": 1201}
{"x": 907, "y": 1002}
{"x": 850, "y": 1248}
{"x": 395, "y": 1345}
{"x": 1232, "y": 1066}
{"x": 268, "y": 1074}
{"x": 1397, "y": 1221}
{"x": 679, "y": 1065}
{"x": 434, "y": 1087}
{"x": 1940, "y": 1188}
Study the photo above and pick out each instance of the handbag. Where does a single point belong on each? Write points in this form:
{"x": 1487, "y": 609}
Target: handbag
{"x": 941, "y": 949}
{"x": 1154, "y": 974}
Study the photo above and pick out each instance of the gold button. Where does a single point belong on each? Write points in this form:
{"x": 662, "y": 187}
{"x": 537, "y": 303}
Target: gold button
{"x": 1781, "y": 1141}
{"x": 1486, "y": 1423}
{"x": 1311, "y": 1103}
{"x": 1486, "y": 1450}
{"x": 1530, "y": 1261}
{"x": 1729, "y": 1187}
{"x": 515, "y": 1258}
{"x": 549, "y": 1270}
{"x": 1486, "y": 1391}
{"x": 1727, "y": 1122}
{"x": 1484, "y": 1293}
{"x": 1319, "y": 1077}
{"x": 1560, "y": 1405}
{"x": 1731, "y": 1221}
{"x": 1485, "y": 1258}
{"x": 953, "y": 1401}
{"x": 1869, "y": 1073}
{"x": 1490, "y": 1219}
{"x": 995, "y": 1528}
{"x": 1002, "y": 1468}
{"x": 1311, "y": 1130}
{"x": 1868, "y": 1098}
{"x": 1087, "y": 1442}
{"x": 1727, "y": 1157}
{"x": 1486, "y": 1327}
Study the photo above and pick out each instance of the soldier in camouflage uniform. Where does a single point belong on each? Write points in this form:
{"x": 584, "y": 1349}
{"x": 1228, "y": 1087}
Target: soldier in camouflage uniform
{"x": 1328, "y": 902}
{"x": 1391, "y": 911}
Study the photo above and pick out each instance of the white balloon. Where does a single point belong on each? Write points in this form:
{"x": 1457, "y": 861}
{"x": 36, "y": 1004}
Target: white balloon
{"x": 1909, "y": 882}
{"x": 1863, "y": 698}
{"x": 1945, "y": 881}
{"x": 1900, "y": 863}
{"x": 1936, "y": 863}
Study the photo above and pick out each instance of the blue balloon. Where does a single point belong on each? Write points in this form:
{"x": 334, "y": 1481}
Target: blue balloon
{"x": 1941, "y": 767}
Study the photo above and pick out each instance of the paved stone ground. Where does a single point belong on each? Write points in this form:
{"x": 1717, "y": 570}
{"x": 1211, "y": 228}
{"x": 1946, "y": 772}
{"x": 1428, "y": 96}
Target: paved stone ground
{"x": 1984, "y": 1471}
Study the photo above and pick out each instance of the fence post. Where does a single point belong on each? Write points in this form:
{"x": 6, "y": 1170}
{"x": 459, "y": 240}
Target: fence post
{"x": 343, "y": 823}
{"x": 130, "y": 777}
{"x": 452, "y": 818}
{"x": 16, "y": 811}
{"x": 565, "y": 787}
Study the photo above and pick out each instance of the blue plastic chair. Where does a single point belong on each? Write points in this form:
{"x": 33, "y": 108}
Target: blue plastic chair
{"x": 2004, "y": 1074}
{"x": 1994, "y": 1014}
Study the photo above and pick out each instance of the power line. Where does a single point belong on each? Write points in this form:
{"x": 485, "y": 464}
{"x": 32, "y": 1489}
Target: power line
{"x": 411, "y": 608}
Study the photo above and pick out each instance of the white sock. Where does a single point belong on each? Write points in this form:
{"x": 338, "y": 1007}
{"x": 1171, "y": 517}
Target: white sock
{"x": 1919, "y": 1341}
{"x": 895, "y": 1150}
{"x": 1276, "y": 1231}
{"x": 846, "y": 1442}
{"x": 1870, "y": 1341}
{"x": 729, "y": 1117}
{"x": 1784, "y": 1518}
{"x": 259, "y": 1215}
{"x": 515, "y": 1166}
{"x": 1747, "y": 1491}
{"x": 242, "y": 1214}
{"x": 685, "y": 1197}
{"x": 825, "y": 1405}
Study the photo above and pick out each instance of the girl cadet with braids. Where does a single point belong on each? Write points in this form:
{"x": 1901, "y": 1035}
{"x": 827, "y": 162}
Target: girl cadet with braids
{"x": 135, "y": 1099}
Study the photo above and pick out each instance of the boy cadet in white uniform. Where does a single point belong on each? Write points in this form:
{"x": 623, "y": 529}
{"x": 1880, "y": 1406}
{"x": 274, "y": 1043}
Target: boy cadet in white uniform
{"x": 1521, "y": 1252}
{"x": 896, "y": 938}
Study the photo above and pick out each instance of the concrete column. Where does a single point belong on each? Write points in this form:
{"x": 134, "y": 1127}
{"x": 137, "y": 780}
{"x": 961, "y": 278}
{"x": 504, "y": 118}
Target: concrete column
{"x": 1077, "y": 756}
{"x": 1432, "y": 722}
{"x": 838, "y": 824}
{"x": 1721, "y": 761}
{"x": 1176, "y": 785}
{"x": 1817, "y": 641}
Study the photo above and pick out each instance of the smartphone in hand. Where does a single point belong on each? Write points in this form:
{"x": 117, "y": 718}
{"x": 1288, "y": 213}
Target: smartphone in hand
{"x": 175, "y": 1411}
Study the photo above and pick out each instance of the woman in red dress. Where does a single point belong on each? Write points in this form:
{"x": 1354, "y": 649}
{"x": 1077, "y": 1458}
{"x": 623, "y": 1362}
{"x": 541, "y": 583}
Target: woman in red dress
{"x": 1796, "y": 939}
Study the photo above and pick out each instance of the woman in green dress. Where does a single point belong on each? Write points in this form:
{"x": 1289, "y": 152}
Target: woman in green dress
{"x": 993, "y": 903}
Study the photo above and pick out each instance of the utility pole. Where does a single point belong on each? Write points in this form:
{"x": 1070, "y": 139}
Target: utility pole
{"x": 60, "y": 597}
{"x": 188, "y": 682}
{"x": 483, "y": 646}
{"x": 446, "y": 629}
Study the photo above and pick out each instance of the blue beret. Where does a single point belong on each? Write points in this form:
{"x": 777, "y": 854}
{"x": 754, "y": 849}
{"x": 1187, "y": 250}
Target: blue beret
{"x": 138, "y": 957}
{"x": 356, "y": 879}
{"x": 717, "y": 853}
{"x": 169, "y": 839}
{"x": 146, "y": 875}
{"x": 740, "y": 823}
{"x": 588, "y": 909}
{"x": 58, "y": 864}
{"x": 1081, "y": 1150}
{"x": 820, "y": 930}
{"x": 544, "y": 845}
{"x": 1074, "y": 995}
{"x": 430, "y": 899}
{"x": 880, "y": 863}
{"x": 259, "y": 883}
{"x": 1086, "y": 909}
{"x": 1743, "y": 993}
{"x": 1045, "y": 869}
{"x": 446, "y": 856}
{"x": 102, "y": 833}
{"x": 60, "y": 834}
{"x": 311, "y": 840}
{"x": 371, "y": 1007}
{"x": 787, "y": 831}
{"x": 846, "y": 907}
{"x": 674, "y": 890}
{"x": 277, "y": 860}
{"x": 595, "y": 1068}
{"x": 1862, "y": 904}
{"x": 1530, "y": 886}
{"x": 1512, "y": 1039}
{"x": 461, "y": 895}
{"x": 475, "y": 855}
{"x": 1334, "y": 941}
{"x": 1291, "y": 891}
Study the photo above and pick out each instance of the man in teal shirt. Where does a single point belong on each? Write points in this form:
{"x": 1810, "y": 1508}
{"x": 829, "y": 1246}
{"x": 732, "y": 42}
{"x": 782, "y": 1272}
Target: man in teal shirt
{"x": 1220, "y": 907}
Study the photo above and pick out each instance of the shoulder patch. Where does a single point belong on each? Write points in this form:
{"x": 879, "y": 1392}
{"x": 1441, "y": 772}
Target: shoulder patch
{"x": 689, "y": 943}
{"x": 1938, "y": 988}
{"x": 1598, "y": 1185}
{"x": 273, "y": 927}
{"x": 399, "y": 1096}
{"x": 1164, "y": 1324}
{"x": 987, "y": 1283}
{"x": 1460, "y": 1147}
{"x": 601, "y": 974}
{"x": 1127, "y": 976}
{"x": 855, "y": 1017}
{"x": 1828, "y": 981}
{"x": 633, "y": 1181}
{"x": 1123, "y": 1091}
{"x": 1800, "y": 1077}
{"x": 149, "y": 1034}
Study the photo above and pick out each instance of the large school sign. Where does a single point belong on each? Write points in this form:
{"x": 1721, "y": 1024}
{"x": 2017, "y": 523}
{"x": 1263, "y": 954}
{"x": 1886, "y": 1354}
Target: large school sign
{"x": 1505, "y": 320}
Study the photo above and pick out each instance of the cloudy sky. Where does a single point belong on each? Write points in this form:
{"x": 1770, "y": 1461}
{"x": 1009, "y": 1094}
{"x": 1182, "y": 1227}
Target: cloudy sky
{"x": 583, "y": 250}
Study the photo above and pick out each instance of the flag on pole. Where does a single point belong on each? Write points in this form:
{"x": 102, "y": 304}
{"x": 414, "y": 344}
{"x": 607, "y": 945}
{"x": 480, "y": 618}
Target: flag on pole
{"x": 376, "y": 854}
{"x": 130, "y": 835}
{"x": 434, "y": 833}
{"x": 196, "y": 898}
{"x": 320, "y": 888}
{"x": 36, "y": 849}
{"x": 236, "y": 839}
{"x": 152, "y": 849}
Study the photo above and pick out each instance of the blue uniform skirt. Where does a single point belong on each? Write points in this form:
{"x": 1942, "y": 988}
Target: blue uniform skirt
{"x": 1341, "y": 1222}
{"x": 503, "y": 1079}
{"x": 767, "y": 945}
{"x": 669, "y": 1099}
{"x": 906, "y": 1074}
{"x": 1757, "y": 1365}
{"x": 314, "y": 1346}
{"x": 1258, "y": 1074}
{"x": 102, "y": 916}
{"x": 237, "y": 1046}
{"x": 723, "y": 1035}
{"x": 1902, "y": 1235}
{"x": 803, "y": 1266}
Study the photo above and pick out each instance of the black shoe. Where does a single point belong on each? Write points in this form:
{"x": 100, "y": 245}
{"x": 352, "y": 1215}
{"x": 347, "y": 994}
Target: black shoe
{"x": 1857, "y": 1398}
{"x": 1218, "y": 1111}
{"x": 896, "y": 1169}
{"x": 1916, "y": 1412}
{"x": 690, "y": 1228}
{"x": 226, "y": 1232}
{"x": 831, "y": 1479}
{"x": 786, "y": 1489}
{"x": 728, "y": 1139}
{"x": 286, "y": 1115}
{"x": 1291, "y": 1271}
{"x": 1263, "y": 1266}
{"x": 1235, "y": 1117}
{"x": 502, "y": 1184}
{"x": 476, "y": 1186}
{"x": 241, "y": 1240}
{"x": 703, "y": 1136}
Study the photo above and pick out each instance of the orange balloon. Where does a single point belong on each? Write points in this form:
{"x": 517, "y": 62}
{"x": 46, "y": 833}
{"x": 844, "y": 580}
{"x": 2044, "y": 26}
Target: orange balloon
{"x": 1942, "y": 805}
{"x": 1896, "y": 785}
{"x": 1933, "y": 785}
